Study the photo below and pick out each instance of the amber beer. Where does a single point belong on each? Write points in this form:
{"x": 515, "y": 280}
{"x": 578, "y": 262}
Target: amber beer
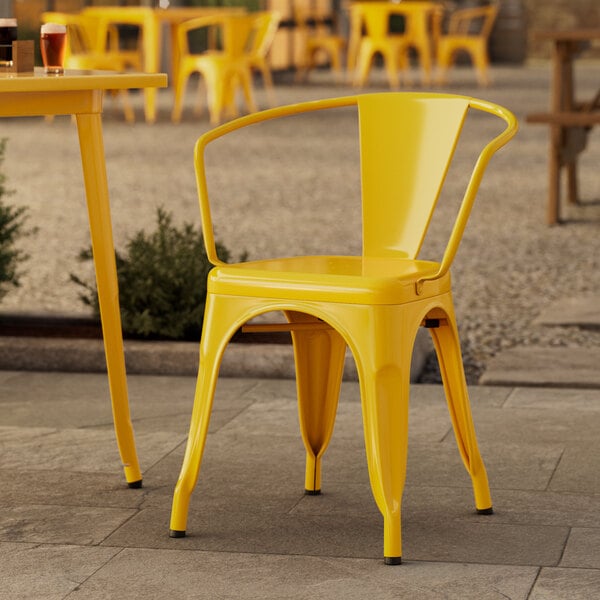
{"x": 53, "y": 44}
{"x": 8, "y": 34}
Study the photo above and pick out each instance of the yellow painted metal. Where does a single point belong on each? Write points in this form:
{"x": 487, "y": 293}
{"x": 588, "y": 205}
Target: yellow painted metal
{"x": 151, "y": 22}
{"x": 81, "y": 94}
{"x": 373, "y": 303}
{"x": 245, "y": 41}
{"x": 370, "y": 35}
{"x": 85, "y": 51}
{"x": 469, "y": 30}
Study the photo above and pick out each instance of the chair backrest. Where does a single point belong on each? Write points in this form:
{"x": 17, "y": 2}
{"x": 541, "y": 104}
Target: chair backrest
{"x": 407, "y": 141}
{"x": 262, "y": 33}
{"x": 235, "y": 34}
{"x": 477, "y": 21}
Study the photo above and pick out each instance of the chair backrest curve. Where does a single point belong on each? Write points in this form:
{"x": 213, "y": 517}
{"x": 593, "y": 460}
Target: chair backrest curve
{"x": 407, "y": 142}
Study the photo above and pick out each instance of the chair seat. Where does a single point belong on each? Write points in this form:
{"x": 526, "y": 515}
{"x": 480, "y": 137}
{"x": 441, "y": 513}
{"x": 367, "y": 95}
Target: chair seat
{"x": 349, "y": 279}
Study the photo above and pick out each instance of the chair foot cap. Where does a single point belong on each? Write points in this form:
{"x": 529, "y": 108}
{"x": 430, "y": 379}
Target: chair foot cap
{"x": 393, "y": 560}
{"x": 176, "y": 533}
{"x": 312, "y": 492}
{"x": 134, "y": 485}
{"x": 485, "y": 511}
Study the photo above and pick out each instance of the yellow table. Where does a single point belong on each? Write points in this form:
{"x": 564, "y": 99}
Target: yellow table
{"x": 150, "y": 21}
{"x": 80, "y": 93}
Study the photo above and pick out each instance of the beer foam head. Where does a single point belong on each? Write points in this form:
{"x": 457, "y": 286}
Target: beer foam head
{"x": 53, "y": 28}
{"x": 8, "y": 22}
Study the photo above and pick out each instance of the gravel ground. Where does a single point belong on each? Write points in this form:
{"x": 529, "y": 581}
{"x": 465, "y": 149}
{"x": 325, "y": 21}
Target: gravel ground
{"x": 272, "y": 186}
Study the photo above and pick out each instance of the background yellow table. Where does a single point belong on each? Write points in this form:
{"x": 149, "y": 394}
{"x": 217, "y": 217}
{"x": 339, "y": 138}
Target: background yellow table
{"x": 80, "y": 93}
{"x": 150, "y": 21}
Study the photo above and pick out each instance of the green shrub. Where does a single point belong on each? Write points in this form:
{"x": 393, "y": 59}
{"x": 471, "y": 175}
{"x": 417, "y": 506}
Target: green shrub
{"x": 162, "y": 282}
{"x": 12, "y": 222}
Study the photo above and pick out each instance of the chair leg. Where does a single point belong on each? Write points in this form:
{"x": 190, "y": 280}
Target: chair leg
{"x": 384, "y": 371}
{"x": 447, "y": 346}
{"x": 220, "y": 95}
{"x": 245, "y": 78}
{"x": 127, "y": 108}
{"x": 444, "y": 61}
{"x": 201, "y": 95}
{"x": 211, "y": 352}
{"x": 363, "y": 66}
{"x": 391, "y": 68}
{"x": 319, "y": 356}
{"x": 179, "y": 91}
{"x": 268, "y": 84}
{"x": 480, "y": 62}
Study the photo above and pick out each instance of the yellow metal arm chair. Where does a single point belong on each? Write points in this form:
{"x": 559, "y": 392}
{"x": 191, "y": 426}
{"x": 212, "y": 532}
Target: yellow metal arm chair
{"x": 243, "y": 40}
{"x": 469, "y": 30}
{"x": 373, "y": 303}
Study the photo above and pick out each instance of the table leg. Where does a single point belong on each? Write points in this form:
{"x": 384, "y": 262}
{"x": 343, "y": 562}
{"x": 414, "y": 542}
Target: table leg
{"x": 89, "y": 128}
{"x": 552, "y": 214}
{"x": 151, "y": 46}
{"x": 572, "y": 187}
{"x": 562, "y": 80}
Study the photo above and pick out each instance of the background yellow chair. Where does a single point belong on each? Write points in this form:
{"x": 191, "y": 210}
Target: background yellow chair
{"x": 371, "y": 35}
{"x": 92, "y": 45}
{"x": 318, "y": 40}
{"x": 374, "y": 303}
{"x": 468, "y": 31}
{"x": 243, "y": 42}
{"x": 265, "y": 27}
{"x": 374, "y": 19}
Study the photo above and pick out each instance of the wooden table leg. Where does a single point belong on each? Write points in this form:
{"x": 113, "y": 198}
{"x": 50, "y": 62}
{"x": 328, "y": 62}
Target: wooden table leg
{"x": 552, "y": 211}
{"x": 91, "y": 143}
{"x": 572, "y": 187}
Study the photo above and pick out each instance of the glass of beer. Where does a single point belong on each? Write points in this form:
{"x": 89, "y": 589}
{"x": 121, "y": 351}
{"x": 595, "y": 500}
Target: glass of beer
{"x": 53, "y": 44}
{"x": 8, "y": 34}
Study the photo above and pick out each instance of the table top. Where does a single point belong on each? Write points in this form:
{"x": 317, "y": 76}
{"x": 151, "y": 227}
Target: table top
{"x": 568, "y": 35}
{"x": 176, "y": 14}
{"x": 72, "y": 80}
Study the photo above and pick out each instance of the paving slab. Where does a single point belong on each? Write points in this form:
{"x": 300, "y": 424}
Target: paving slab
{"x": 582, "y": 548}
{"x": 47, "y": 572}
{"x": 252, "y": 531}
{"x": 180, "y": 574}
{"x": 575, "y": 584}
{"x": 579, "y": 469}
{"x": 529, "y": 365}
{"x": 582, "y": 311}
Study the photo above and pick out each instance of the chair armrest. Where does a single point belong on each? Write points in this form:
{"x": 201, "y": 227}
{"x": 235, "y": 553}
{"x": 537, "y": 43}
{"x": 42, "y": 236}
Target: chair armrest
{"x": 486, "y": 154}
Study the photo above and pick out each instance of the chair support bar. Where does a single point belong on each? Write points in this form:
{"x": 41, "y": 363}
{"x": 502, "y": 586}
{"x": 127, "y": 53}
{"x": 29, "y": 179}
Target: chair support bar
{"x": 318, "y": 325}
